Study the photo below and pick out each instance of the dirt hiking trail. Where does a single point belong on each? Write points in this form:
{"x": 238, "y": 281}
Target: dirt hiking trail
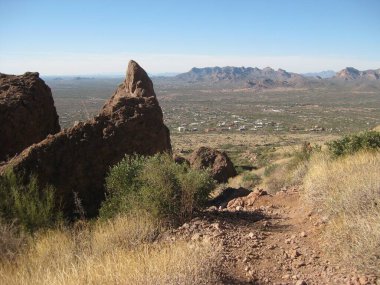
{"x": 268, "y": 239}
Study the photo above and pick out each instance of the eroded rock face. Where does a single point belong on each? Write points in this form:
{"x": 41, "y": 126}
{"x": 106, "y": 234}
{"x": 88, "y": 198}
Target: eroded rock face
{"x": 78, "y": 159}
{"x": 27, "y": 113}
{"x": 220, "y": 164}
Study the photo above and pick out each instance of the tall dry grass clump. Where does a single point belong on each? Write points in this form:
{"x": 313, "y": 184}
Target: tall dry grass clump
{"x": 347, "y": 192}
{"x": 118, "y": 251}
{"x": 12, "y": 241}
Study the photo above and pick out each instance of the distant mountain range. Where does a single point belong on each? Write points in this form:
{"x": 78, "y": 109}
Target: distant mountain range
{"x": 244, "y": 77}
{"x": 255, "y": 78}
{"x": 351, "y": 73}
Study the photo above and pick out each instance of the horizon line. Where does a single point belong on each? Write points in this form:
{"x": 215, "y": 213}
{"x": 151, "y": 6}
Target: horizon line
{"x": 71, "y": 64}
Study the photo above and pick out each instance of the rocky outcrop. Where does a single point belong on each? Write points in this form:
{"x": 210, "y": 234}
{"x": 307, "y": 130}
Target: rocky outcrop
{"x": 77, "y": 159}
{"x": 218, "y": 162}
{"x": 27, "y": 113}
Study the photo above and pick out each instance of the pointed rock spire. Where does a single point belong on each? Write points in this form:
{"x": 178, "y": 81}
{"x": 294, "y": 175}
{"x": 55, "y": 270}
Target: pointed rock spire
{"x": 137, "y": 82}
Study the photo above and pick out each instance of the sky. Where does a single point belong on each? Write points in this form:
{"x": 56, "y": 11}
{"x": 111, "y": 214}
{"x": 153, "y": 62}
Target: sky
{"x": 72, "y": 37}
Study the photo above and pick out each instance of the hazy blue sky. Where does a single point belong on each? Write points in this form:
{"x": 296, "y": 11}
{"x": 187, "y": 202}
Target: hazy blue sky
{"x": 93, "y": 37}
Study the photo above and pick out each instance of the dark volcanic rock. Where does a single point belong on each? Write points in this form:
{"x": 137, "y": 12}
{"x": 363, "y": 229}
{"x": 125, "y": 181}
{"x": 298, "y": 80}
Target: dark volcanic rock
{"x": 78, "y": 159}
{"x": 27, "y": 113}
{"x": 221, "y": 166}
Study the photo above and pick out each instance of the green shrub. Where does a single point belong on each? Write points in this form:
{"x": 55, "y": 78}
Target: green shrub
{"x": 156, "y": 185}
{"x": 27, "y": 205}
{"x": 369, "y": 140}
{"x": 122, "y": 184}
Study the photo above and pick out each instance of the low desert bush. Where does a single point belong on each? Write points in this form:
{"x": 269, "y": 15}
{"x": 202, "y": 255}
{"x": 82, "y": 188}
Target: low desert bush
{"x": 27, "y": 206}
{"x": 157, "y": 185}
{"x": 117, "y": 251}
{"x": 365, "y": 141}
{"x": 347, "y": 192}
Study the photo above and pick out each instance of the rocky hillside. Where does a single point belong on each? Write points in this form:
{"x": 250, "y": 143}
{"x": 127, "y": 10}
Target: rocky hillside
{"x": 76, "y": 160}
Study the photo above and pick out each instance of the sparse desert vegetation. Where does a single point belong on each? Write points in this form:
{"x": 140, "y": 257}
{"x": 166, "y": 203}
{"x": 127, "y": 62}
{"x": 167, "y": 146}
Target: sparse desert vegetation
{"x": 147, "y": 196}
{"x": 126, "y": 245}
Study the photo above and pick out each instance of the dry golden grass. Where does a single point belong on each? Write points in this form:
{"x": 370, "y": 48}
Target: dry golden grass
{"x": 11, "y": 241}
{"x": 114, "y": 252}
{"x": 347, "y": 192}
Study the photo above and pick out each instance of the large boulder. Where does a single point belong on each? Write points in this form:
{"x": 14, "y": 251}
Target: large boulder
{"x": 218, "y": 162}
{"x": 27, "y": 113}
{"x": 77, "y": 159}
